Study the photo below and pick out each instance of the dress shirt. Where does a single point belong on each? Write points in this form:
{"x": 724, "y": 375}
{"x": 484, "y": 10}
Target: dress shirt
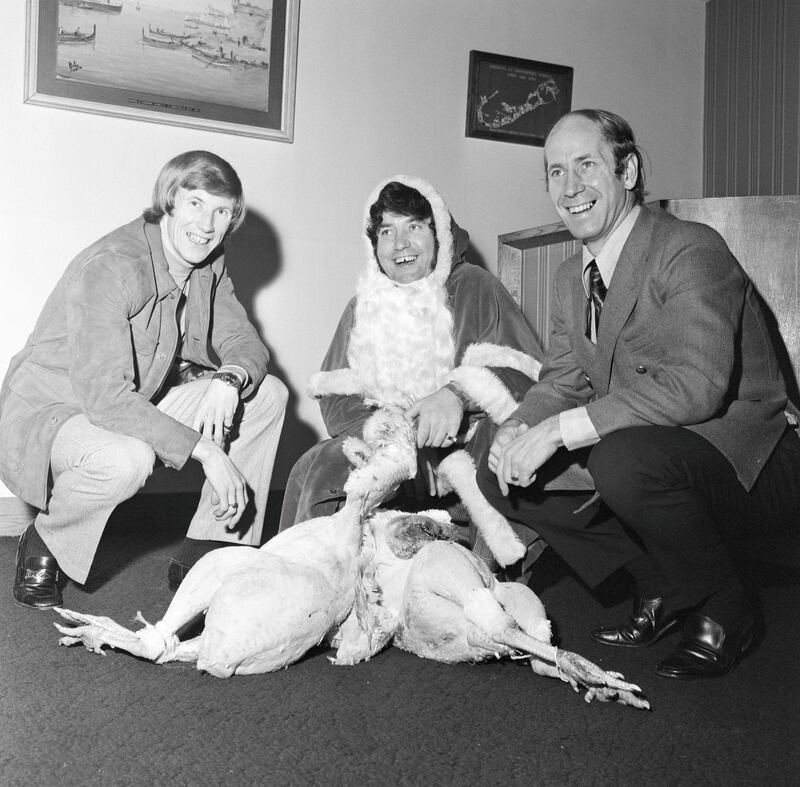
{"x": 577, "y": 430}
{"x": 183, "y": 283}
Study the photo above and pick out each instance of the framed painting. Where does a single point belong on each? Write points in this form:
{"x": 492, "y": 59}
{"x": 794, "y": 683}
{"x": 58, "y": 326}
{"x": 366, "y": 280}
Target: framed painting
{"x": 229, "y": 66}
{"x": 515, "y": 100}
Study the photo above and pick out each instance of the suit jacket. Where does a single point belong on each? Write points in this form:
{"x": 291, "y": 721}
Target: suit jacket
{"x": 682, "y": 341}
{"x": 104, "y": 345}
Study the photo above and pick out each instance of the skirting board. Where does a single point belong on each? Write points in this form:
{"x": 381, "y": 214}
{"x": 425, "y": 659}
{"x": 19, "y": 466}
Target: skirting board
{"x": 15, "y": 516}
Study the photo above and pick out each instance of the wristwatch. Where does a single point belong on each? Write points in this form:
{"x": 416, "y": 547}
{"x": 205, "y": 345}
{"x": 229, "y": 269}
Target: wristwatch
{"x": 229, "y": 378}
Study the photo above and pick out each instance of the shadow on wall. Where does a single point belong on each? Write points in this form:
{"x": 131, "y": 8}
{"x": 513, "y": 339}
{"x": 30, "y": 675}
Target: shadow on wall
{"x": 255, "y": 261}
{"x": 475, "y": 257}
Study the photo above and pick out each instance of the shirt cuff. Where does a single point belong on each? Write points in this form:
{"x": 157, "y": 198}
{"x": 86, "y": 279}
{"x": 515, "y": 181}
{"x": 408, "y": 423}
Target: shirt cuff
{"x": 577, "y": 429}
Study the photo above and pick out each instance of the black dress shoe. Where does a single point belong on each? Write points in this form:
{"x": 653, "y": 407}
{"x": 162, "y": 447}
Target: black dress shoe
{"x": 176, "y": 573}
{"x": 707, "y": 650}
{"x": 36, "y": 583}
{"x": 649, "y": 623}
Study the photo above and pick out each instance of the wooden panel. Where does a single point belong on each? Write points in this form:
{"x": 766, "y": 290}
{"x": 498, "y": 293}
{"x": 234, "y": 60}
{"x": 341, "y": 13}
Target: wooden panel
{"x": 789, "y": 26}
{"x": 526, "y": 264}
{"x": 752, "y": 98}
{"x": 762, "y": 232}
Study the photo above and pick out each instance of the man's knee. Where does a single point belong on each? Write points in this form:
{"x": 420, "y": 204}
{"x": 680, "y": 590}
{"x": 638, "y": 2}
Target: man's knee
{"x": 272, "y": 395}
{"x": 627, "y": 460}
{"x": 121, "y": 468}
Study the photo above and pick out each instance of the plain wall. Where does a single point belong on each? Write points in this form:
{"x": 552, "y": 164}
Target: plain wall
{"x": 381, "y": 89}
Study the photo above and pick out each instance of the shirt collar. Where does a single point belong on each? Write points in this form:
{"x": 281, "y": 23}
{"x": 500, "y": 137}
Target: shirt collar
{"x": 609, "y": 255}
{"x": 164, "y": 281}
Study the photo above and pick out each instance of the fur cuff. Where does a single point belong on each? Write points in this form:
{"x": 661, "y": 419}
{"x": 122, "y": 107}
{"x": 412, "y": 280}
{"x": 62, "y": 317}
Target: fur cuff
{"x": 339, "y": 381}
{"x": 485, "y": 391}
{"x": 482, "y": 386}
{"x": 458, "y": 471}
{"x": 487, "y": 354}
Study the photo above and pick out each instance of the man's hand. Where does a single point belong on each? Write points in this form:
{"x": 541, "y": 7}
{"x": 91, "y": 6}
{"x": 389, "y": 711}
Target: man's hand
{"x": 518, "y": 451}
{"x": 216, "y": 411}
{"x": 509, "y": 430}
{"x": 438, "y": 418}
{"x": 229, "y": 495}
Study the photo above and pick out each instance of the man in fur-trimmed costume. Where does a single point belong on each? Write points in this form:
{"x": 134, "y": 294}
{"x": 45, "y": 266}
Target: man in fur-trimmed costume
{"x": 427, "y": 332}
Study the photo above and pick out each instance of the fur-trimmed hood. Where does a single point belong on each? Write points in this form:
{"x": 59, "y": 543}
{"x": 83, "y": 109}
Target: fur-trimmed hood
{"x": 401, "y": 346}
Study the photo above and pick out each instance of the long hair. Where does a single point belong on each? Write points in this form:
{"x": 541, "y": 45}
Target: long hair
{"x": 196, "y": 169}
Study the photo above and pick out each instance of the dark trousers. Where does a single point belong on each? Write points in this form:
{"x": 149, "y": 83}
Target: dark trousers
{"x": 665, "y": 492}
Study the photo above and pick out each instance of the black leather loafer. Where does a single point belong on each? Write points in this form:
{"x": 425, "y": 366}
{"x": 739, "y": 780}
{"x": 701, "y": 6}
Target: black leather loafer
{"x": 707, "y": 650}
{"x": 649, "y": 623}
{"x": 36, "y": 583}
{"x": 176, "y": 573}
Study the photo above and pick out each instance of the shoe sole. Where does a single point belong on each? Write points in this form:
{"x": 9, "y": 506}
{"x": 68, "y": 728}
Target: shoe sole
{"x": 22, "y": 604}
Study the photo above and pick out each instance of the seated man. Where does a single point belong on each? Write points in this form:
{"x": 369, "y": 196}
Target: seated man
{"x": 95, "y": 397}
{"x": 418, "y": 306}
{"x": 660, "y": 368}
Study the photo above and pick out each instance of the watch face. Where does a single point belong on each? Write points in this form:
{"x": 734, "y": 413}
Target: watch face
{"x": 229, "y": 378}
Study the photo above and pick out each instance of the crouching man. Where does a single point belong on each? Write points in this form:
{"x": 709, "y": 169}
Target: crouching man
{"x": 141, "y": 352}
{"x": 661, "y": 374}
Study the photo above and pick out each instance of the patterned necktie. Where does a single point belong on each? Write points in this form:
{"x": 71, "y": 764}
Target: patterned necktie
{"x": 597, "y": 294}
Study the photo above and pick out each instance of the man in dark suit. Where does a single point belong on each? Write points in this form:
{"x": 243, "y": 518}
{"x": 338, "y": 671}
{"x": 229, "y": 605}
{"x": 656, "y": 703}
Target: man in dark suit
{"x": 662, "y": 383}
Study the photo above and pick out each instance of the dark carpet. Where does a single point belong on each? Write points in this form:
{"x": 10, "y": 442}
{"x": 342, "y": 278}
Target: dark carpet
{"x": 75, "y": 718}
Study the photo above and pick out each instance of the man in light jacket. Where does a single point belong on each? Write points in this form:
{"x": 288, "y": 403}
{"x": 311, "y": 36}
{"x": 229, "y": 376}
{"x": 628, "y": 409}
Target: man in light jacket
{"x": 141, "y": 352}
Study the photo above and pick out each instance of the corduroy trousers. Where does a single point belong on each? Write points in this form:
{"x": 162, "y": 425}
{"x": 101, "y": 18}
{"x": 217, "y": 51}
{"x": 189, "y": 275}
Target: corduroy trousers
{"x": 94, "y": 470}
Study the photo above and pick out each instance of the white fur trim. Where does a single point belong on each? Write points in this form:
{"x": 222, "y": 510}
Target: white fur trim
{"x": 339, "y": 381}
{"x": 488, "y": 354}
{"x": 484, "y": 390}
{"x": 458, "y": 470}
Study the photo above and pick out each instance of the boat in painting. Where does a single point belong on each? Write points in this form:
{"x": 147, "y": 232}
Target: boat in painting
{"x": 250, "y": 63}
{"x": 250, "y": 9}
{"x": 159, "y": 32}
{"x": 211, "y": 58}
{"x": 163, "y": 43}
{"x": 75, "y": 36}
{"x": 92, "y": 5}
